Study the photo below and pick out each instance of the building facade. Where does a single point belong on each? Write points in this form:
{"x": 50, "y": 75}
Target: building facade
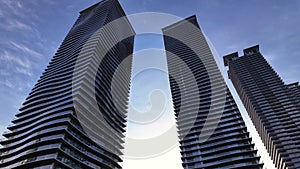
{"x": 211, "y": 130}
{"x": 57, "y": 126}
{"x": 272, "y": 105}
{"x": 294, "y": 90}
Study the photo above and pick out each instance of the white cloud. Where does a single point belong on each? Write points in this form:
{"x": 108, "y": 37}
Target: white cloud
{"x": 14, "y": 7}
{"x": 25, "y": 49}
{"x": 7, "y": 83}
{"x": 15, "y": 24}
{"x": 18, "y": 12}
{"x": 19, "y": 4}
{"x": 7, "y": 57}
{"x": 23, "y": 71}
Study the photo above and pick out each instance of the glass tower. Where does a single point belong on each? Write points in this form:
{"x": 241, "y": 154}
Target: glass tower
{"x": 211, "y": 130}
{"x": 57, "y": 126}
{"x": 272, "y": 105}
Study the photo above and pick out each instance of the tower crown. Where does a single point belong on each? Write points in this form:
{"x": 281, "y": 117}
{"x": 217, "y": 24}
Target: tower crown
{"x": 251, "y": 50}
{"x": 230, "y": 57}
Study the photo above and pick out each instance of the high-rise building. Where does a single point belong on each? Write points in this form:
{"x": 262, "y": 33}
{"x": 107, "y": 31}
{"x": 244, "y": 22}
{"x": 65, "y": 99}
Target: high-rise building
{"x": 295, "y": 91}
{"x": 58, "y": 125}
{"x": 272, "y": 105}
{"x": 211, "y": 129}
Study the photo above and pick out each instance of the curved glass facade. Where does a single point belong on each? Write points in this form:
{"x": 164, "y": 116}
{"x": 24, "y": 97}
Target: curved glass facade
{"x": 211, "y": 130}
{"x": 47, "y": 132}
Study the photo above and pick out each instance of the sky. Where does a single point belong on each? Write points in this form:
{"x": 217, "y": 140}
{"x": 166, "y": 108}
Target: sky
{"x": 32, "y": 30}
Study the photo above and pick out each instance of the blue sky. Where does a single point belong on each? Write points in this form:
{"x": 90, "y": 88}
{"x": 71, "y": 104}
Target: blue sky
{"x": 32, "y": 30}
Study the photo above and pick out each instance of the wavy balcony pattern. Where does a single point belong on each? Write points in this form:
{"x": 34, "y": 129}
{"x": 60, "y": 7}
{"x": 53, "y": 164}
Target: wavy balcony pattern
{"x": 48, "y": 131}
{"x": 211, "y": 130}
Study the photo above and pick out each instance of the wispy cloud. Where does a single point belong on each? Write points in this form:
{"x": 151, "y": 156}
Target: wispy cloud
{"x": 7, "y": 83}
{"x": 11, "y": 25}
{"x": 14, "y": 7}
{"x": 25, "y": 49}
{"x": 14, "y": 15}
{"x": 24, "y": 71}
{"x": 7, "y": 57}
